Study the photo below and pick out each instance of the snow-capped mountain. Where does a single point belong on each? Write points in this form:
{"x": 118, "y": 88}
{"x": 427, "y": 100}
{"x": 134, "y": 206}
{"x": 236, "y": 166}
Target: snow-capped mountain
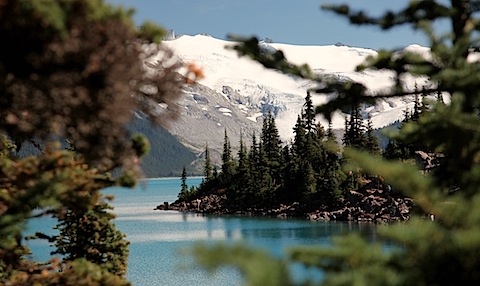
{"x": 237, "y": 92}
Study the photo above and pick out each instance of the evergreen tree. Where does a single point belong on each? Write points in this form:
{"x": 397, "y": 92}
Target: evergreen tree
{"x": 91, "y": 235}
{"x": 271, "y": 139}
{"x": 272, "y": 147}
{"x": 329, "y": 186}
{"x": 228, "y": 163}
{"x": 318, "y": 148}
{"x": 253, "y": 155}
{"x": 330, "y": 134}
{"x": 308, "y": 182}
{"x": 208, "y": 171}
{"x": 309, "y": 114}
{"x": 332, "y": 176}
{"x": 355, "y": 130}
{"x": 240, "y": 189}
{"x": 286, "y": 192}
{"x": 242, "y": 155}
{"x": 425, "y": 106}
{"x": 263, "y": 181}
{"x": 398, "y": 149}
{"x": 185, "y": 193}
{"x": 300, "y": 138}
{"x": 393, "y": 150}
{"x": 184, "y": 180}
{"x": 371, "y": 139}
{"x": 417, "y": 108}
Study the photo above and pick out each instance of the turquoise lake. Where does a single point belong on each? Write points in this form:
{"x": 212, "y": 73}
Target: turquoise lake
{"x": 157, "y": 236}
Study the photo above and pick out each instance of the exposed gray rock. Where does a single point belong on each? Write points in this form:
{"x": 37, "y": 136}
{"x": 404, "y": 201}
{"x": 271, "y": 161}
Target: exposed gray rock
{"x": 206, "y": 115}
{"x": 200, "y": 99}
{"x": 427, "y": 161}
{"x": 371, "y": 203}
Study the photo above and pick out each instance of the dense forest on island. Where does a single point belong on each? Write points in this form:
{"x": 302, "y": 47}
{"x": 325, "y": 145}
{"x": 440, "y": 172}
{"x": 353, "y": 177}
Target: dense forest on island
{"x": 309, "y": 177}
{"x": 442, "y": 249}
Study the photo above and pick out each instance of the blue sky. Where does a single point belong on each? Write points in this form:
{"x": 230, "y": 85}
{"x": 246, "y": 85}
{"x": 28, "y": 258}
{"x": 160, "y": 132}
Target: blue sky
{"x": 299, "y": 22}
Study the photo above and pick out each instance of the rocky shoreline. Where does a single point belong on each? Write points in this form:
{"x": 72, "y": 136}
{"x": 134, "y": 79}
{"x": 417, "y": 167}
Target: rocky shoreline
{"x": 371, "y": 203}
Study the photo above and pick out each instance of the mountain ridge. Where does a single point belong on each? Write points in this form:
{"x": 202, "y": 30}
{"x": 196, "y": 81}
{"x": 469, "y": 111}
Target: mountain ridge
{"x": 237, "y": 92}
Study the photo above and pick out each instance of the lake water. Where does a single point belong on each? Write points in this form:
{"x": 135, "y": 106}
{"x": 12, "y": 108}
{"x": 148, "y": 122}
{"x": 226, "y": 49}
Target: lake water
{"x": 157, "y": 236}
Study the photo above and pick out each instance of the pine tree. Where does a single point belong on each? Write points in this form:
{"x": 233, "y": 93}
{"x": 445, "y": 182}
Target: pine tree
{"x": 184, "y": 180}
{"x": 308, "y": 181}
{"x": 241, "y": 187}
{"x": 253, "y": 154}
{"x": 417, "y": 108}
{"x": 330, "y": 134}
{"x": 208, "y": 169}
{"x": 393, "y": 150}
{"x": 242, "y": 156}
{"x": 228, "y": 163}
{"x": 424, "y": 108}
{"x": 286, "y": 192}
{"x": 332, "y": 174}
{"x": 185, "y": 193}
{"x": 271, "y": 139}
{"x": 355, "y": 130}
{"x": 300, "y": 139}
{"x": 92, "y": 235}
{"x": 371, "y": 139}
{"x": 308, "y": 114}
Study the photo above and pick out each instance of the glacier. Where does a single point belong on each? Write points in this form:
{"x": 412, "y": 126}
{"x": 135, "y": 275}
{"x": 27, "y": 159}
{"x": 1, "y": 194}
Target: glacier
{"x": 237, "y": 92}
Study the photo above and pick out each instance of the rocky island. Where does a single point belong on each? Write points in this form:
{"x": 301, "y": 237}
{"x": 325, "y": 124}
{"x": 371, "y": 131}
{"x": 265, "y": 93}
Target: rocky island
{"x": 373, "y": 202}
{"x": 311, "y": 178}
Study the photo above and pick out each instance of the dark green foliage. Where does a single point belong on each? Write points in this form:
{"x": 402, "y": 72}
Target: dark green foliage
{"x": 208, "y": 169}
{"x": 269, "y": 174}
{"x": 271, "y": 142}
{"x": 186, "y": 194}
{"x": 241, "y": 189}
{"x": 60, "y": 184}
{"x": 92, "y": 235}
{"x": 359, "y": 135}
{"x": 404, "y": 149}
{"x": 300, "y": 140}
{"x": 228, "y": 162}
{"x": 184, "y": 180}
{"x": 395, "y": 151}
{"x": 309, "y": 114}
{"x": 371, "y": 140}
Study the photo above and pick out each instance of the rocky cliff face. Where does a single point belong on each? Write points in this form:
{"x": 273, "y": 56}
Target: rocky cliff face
{"x": 206, "y": 114}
